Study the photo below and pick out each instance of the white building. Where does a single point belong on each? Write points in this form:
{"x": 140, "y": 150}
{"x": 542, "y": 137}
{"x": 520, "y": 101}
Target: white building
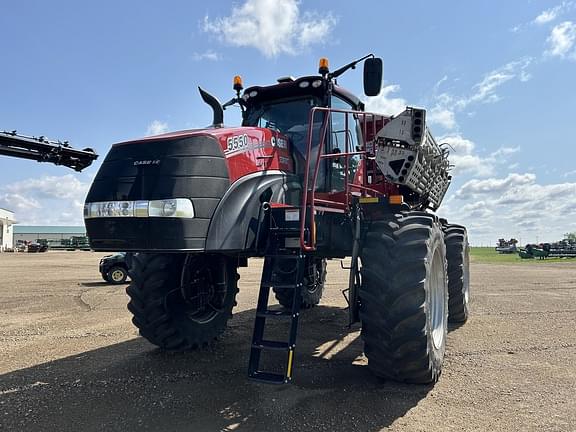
{"x": 54, "y": 233}
{"x": 6, "y": 229}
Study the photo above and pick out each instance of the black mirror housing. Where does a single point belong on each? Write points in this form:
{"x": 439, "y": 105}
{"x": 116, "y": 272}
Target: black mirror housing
{"x": 372, "y": 76}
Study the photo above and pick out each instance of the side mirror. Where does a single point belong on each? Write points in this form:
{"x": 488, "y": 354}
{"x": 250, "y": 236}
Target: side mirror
{"x": 372, "y": 76}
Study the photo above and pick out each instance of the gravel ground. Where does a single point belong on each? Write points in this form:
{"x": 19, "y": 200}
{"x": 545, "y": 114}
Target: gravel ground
{"x": 70, "y": 360}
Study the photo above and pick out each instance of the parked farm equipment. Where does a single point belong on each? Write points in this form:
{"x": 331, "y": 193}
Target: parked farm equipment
{"x": 563, "y": 249}
{"x": 309, "y": 176}
{"x": 507, "y": 247}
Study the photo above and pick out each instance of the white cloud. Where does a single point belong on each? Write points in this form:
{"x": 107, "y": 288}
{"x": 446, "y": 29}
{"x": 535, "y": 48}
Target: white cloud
{"x": 467, "y": 162}
{"x": 551, "y": 14}
{"x": 504, "y": 152}
{"x": 477, "y": 209}
{"x": 561, "y": 40}
{"x": 471, "y": 164}
{"x": 485, "y": 90}
{"x": 524, "y": 76}
{"x": 49, "y": 200}
{"x": 271, "y": 26}
{"x": 441, "y": 116}
{"x": 156, "y": 128}
{"x": 463, "y": 157}
{"x": 17, "y": 203}
{"x": 547, "y": 15}
{"x": 207, "y": 55}
{"x": 475, "y": 187}
{"x": 49, "y": 187}
{"x": 447, "y": 105}
{"x": 512, "y": 206}
{"x": 458, "y": 144}
{"x": 384, "y": 104}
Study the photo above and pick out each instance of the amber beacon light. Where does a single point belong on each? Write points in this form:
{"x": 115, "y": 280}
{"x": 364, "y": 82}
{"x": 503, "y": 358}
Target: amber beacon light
{"x": 323, "y": 68}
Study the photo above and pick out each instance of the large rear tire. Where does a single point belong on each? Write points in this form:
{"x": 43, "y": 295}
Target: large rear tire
{"x": 312, "y": 289}
{"x": 458, "y": 256}
{"x": 404, "y": 297}
{"x": 179, "y": 301}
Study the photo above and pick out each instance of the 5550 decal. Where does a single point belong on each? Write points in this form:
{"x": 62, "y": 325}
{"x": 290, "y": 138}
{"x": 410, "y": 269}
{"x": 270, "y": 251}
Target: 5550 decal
{"x": 238, "y": 142}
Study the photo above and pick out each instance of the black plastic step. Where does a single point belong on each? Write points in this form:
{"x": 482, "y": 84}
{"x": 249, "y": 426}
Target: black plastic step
{"x": 271, "y": 345}
{"x": 274, "y": 313}
{"x": 269, "y": 378}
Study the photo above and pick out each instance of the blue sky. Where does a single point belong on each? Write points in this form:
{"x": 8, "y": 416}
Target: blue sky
{"x": 497, "y": 79}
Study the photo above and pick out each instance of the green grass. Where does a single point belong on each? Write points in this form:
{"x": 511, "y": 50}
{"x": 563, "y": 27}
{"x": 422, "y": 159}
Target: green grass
{"x": 489, "y": 255}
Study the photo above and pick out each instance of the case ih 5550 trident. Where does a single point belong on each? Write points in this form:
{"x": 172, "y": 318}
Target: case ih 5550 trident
{"x": 309, "y": 176}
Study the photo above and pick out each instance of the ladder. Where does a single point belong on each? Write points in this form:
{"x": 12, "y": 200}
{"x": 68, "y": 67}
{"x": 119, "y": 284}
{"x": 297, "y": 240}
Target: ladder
{"x": 271, "y": 277}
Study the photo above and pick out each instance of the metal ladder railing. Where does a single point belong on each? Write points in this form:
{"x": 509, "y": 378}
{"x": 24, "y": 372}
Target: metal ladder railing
{"x": 309, "y": 200}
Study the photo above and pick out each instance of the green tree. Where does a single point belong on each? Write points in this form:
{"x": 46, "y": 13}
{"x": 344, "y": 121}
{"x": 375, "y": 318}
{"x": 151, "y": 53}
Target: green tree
{"x": 570, "y": 236}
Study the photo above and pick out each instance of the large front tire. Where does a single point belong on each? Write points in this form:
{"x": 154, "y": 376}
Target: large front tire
{"x": 180, "y": 302}
{"x": 404, "y": 298}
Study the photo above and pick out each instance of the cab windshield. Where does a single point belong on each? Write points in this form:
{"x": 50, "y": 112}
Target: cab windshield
{"x": 289, "y": 117}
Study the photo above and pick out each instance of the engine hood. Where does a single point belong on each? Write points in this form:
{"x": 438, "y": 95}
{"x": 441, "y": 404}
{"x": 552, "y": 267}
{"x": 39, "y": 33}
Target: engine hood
{"x": 196, "y": 167}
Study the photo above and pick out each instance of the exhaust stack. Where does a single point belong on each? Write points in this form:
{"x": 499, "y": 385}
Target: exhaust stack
{"x": 218, "y": 120}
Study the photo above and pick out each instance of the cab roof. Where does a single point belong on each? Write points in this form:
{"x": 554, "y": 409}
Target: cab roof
{"x": 292, "y": 89}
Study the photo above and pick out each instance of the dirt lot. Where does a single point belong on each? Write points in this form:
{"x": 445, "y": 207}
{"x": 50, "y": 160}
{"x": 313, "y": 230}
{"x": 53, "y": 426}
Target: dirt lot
{"x": 71, "y": 360}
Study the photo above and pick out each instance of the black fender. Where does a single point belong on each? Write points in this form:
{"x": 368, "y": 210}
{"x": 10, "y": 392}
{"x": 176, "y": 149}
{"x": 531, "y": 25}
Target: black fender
{"x": 238, "y": 215}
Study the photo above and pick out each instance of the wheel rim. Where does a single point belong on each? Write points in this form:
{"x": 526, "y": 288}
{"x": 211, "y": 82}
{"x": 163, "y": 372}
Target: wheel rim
{"x": 202, "y": 303}
{"x": 437, "y": 299}
{"x": 315, "y": 274}
{"x": 466, "y": 276}
{"x": 117, "y": 275}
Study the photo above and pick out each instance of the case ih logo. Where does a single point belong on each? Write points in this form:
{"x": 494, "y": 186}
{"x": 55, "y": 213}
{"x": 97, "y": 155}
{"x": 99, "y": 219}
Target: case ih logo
{"x": 279, "y": 142}
{"x": 147, "y": 162}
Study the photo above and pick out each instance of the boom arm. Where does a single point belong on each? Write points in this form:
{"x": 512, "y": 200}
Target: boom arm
{"x": 408, "y": 155}
{"x": 42, "y": 150}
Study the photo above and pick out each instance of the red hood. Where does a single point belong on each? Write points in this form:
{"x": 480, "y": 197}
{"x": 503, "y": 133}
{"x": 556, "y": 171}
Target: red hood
{"x": 216, "y": 132}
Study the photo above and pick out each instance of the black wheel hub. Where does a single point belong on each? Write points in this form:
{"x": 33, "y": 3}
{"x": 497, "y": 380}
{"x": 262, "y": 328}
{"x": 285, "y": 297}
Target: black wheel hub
{"x": 203, "y": 297}
{"x": 314, "y": 276}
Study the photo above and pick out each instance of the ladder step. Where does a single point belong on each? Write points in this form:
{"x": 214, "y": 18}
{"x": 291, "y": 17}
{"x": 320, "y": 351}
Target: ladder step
{"x": 290, "y": 256}
{"x": 285, "y": 230}
{"x": 273, "y": 276}
{"x": 274, "y": 313}
{"x": 280, "y": 286}
{"x": 271, "y": 345}
{"x": 269, "y": 377}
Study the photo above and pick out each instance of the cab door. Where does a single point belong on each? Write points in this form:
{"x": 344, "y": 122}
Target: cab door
{"x": 343, "y": 139}
{"x": 334, "y": 233}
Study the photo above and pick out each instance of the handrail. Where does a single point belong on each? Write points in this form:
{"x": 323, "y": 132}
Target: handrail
{"x": 308, "y": 197}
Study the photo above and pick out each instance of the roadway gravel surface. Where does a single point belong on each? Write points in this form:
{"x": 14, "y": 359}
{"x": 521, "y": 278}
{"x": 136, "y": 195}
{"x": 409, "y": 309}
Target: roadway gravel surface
{"x": 70, "y": 360}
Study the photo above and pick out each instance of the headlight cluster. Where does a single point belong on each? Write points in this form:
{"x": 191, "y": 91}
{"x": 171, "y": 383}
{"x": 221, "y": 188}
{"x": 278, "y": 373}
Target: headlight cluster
{"x": 178, "y": 207}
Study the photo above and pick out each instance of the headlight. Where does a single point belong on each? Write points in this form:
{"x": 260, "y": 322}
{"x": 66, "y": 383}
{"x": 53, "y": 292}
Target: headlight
{"x": 181, "y": 208}
{"x": 177, "y": 207}
{"x": 112, "y": 209}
